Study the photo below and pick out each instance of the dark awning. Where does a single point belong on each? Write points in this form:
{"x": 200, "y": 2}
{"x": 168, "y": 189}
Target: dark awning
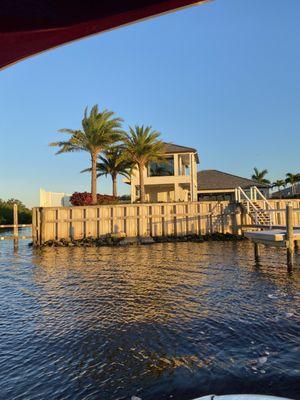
{"x": 28, "y": 27}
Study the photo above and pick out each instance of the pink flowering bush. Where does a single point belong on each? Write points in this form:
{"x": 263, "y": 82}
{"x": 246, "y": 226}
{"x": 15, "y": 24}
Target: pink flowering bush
{"x": 85, "y": 199}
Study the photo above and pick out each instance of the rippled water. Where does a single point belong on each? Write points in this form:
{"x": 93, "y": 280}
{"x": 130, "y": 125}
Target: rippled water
{"x": 159, "y": 322}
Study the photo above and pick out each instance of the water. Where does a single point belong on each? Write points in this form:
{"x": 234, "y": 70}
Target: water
{"x": 168, "y": 321}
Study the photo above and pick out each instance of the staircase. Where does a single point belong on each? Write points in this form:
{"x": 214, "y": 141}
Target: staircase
{"x": 258, "y": 215}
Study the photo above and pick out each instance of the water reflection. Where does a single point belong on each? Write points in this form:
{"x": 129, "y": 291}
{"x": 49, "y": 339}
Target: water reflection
{"x": 179, "y": 320}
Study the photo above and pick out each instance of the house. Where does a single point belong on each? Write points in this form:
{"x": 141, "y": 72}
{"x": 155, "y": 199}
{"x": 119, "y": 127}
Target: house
{"x": 174, "y": 179}
{"x": 177, "y": 179}
{"x": 217, "y": 185}
{"x": 286, "y": 192}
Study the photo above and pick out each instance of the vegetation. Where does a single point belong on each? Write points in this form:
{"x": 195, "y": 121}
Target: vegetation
{"x": 86, "y": 199}
{"x": 113, "y": 163}
{"x": 259, "y": 176}
{"x": 142, "y": 145}
{"x": 99, "y": 131}
{"x": 280, "y": 183}
{"x": 6, "y": 212}
{"x": 292, "y": 179}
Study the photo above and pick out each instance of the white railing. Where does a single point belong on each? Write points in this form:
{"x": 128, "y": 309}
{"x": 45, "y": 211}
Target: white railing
{"x": 240, "y": 194}
{"x": 255, "y": 193}
{"x": 267, "y": 205}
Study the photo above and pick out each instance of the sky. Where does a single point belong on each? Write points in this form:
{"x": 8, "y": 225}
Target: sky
{"x": 223, "y": 77}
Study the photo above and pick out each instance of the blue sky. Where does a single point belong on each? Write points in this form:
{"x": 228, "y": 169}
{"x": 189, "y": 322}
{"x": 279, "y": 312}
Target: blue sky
{"x": 222, "y": 77}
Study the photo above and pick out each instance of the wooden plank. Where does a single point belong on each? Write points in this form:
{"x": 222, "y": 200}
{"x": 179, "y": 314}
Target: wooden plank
{"x": 22, "y": 237}
{"x": 275, "y": 235}
{"x": 19, "y": 226}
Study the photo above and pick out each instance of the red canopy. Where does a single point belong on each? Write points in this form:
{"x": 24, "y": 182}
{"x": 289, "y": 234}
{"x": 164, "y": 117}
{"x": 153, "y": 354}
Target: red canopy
{"x": 28, "y": 27}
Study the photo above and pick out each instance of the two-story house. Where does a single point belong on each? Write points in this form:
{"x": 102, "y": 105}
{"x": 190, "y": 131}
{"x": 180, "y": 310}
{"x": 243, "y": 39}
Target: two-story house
{"x": 174, "y": 179}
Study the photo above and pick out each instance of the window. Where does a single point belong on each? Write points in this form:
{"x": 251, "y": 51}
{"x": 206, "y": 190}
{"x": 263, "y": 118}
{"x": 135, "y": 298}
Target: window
{"x": 165, "y": 168}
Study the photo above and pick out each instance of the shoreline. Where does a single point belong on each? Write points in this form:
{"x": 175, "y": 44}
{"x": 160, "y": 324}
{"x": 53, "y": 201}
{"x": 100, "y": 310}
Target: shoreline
{"x": 117, "y": 241}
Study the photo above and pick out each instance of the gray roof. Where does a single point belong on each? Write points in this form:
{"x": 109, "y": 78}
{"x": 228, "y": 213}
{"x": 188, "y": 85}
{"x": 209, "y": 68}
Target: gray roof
{"x": 171, "y": 148}
{"x": 212, "y": 179}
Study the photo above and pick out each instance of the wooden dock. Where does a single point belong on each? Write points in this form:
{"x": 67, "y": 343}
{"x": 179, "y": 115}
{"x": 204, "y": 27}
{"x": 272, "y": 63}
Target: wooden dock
{"x": 272, "y": 237}
{"x": 15, "y": 237}
{"x": 287, "y": 237}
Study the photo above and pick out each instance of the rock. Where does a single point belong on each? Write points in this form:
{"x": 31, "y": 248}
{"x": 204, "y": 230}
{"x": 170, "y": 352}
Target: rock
{"x": 128, "y": 241}
{"x": 262, "y": 360}
{"x": 146, "y": 240}
{"x": 109, "y": 241}
{"x": 118, "y": 235}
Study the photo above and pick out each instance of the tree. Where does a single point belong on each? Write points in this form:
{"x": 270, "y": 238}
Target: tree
{"x": 99, "y": 131}
{"x": 6, "y": 212}
{"x": 142, "y": 145}
{"x": 292, "y": 179}
{"x": 279, "y": 184}
{"x": 113, "y": 163}
{"x": 259, "y": 176}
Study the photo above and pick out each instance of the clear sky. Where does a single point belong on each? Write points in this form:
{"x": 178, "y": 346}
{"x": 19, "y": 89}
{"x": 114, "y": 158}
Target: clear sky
{"x": 223, "y": 77}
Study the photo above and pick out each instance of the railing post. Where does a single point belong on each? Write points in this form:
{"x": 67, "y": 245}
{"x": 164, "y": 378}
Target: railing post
{"x": 16, "y": 228}
{"x": 289, "y": 235}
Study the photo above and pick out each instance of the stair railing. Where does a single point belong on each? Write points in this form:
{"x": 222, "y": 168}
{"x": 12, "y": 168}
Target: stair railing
{"x": 241, "y": 193}
{"x": 256, "y": 192}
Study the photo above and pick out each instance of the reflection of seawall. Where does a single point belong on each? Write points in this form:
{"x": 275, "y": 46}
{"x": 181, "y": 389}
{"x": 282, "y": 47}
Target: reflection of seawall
{"x": 143, "y": 284}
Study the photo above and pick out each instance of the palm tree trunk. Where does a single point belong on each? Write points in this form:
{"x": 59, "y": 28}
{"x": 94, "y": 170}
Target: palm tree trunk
{"x": 114, "y": 182}
{"x": 142, "y": 185}
{"x": 94, "y": 178}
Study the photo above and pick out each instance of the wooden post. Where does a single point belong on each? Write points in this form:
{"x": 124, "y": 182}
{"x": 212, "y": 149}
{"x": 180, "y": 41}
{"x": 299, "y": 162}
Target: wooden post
{"x": 234, "y": 224}
{"x": 16, "y": 228}
{"x": 289, "y": 235}
{"x": 43, "y": 226}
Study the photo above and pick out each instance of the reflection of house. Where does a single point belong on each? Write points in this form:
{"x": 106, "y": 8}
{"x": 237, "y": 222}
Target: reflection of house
{"x": 217, "y": 185}
{"x": 174, "y": 179}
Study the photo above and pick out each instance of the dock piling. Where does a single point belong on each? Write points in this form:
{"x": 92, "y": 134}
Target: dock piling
{"x": 289, "y": 235}
{"x": 16, "y": 228}
{"x": 256, "y": 251}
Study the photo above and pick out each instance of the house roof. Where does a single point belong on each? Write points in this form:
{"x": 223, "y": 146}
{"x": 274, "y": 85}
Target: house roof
{"x": 31, "y": 26}
{"x": 212, "y": 179}
{"x": 171, "y": 148}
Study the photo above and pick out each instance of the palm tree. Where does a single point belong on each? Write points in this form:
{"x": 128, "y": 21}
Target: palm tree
{"x": 142, "y": 145}
{"x": 279, "y": 184}
{"x": 113, "y": 163}
{"x": 99, "y": 131}
{"x": 292, "y": 179}
{"x": 259, "y": 176}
